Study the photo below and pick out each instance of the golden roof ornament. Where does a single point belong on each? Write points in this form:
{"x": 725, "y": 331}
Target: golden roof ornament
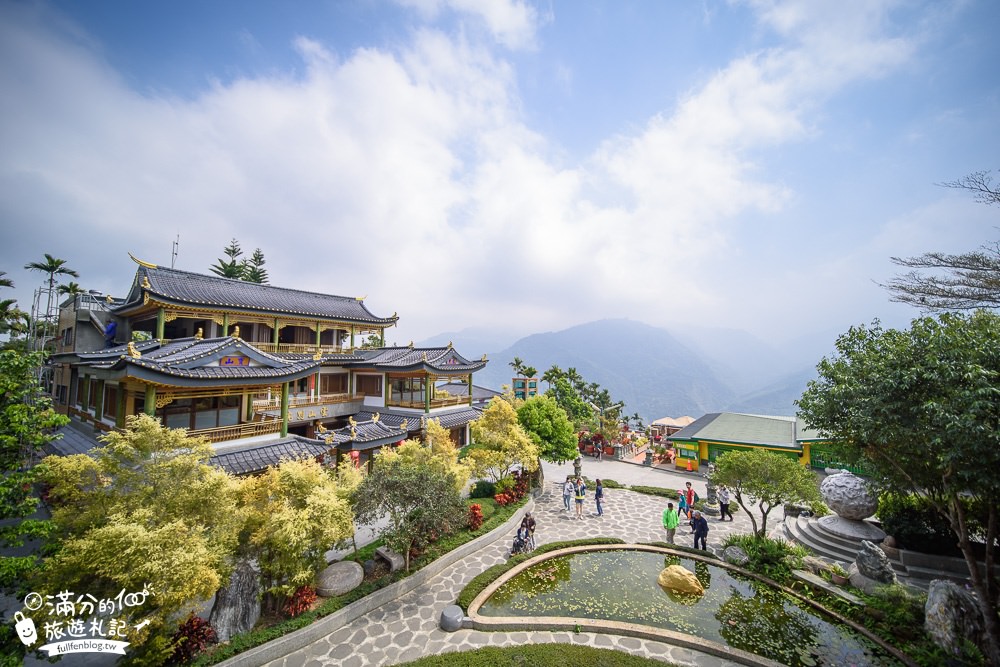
{"x": 411, "y": 345}
{"x": 354, "y": 433}
{"x": 350, "y": 420}
{"x": 329, "y": 439}
{"x": 109, "y": 299}
{"x": 236, "y": 331}
{"x": 375, "y": 417}
{"x": 484, "y": 358}
{"x": 199, "y": 334}
{"x": 148, "y": 265}
{"x": 318, "y": 355}
{"x": 320, "y": 428}
{"x": 145, "y": 283}
{"x": 423, "y": 357}
{"x": 361, "y": 298}
{"x": 450, "y": 346}
{"x": 403, "y": 426}
{"x": 133, "y": 351}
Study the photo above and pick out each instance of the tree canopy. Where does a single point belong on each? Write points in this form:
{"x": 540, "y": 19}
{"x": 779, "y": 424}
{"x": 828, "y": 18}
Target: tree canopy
{"x": 549, "y": 428}
{"x": 232, "y": 267}
{"x": 769, "y": 478}
{"x": 938, "y": 281}
{"x": 921, "y": 408}
{"x": 500, "y": 444}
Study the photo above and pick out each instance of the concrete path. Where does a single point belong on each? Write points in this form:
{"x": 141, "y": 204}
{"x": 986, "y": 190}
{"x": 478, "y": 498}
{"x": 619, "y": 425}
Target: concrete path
{"x": 407, "y": 628}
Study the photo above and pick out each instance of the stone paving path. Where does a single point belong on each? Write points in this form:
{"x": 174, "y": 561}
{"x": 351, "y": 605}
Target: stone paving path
{"x": 407, "y": 628}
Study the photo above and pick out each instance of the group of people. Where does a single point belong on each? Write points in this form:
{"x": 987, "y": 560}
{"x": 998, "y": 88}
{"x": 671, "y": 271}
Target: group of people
{"x": 576, "y": 489}
{"x": 686, "y": 499}
{"x": 524, "y": 541}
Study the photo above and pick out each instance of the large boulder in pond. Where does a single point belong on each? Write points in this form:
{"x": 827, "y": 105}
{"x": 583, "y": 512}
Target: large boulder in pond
{"x": 237, "y": 605}
{"x": 952, "y": 615}
{"x": 680, "y": 580}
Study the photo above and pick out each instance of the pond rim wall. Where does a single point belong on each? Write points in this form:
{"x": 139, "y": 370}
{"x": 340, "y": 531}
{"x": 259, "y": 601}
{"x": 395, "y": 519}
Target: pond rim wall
{"x": 525, "y": 623}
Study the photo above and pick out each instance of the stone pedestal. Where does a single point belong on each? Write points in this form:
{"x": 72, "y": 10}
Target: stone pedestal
{"x": 339, "y": 578}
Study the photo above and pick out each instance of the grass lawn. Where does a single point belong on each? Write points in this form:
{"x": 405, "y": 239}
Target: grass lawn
{"x": 536, "y": 655}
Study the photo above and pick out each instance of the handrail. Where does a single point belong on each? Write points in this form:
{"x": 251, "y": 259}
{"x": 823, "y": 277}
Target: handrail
{"x": 237, "y": 431}
{"x": 274, "y": 402}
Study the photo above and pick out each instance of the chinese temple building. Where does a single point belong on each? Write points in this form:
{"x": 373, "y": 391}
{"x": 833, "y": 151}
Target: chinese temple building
{"x": 243, "y": 363}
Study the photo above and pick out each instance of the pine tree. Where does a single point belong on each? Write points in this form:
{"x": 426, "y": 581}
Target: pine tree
{"x": 233, "y": 268}
{"x": 253, "y": 268}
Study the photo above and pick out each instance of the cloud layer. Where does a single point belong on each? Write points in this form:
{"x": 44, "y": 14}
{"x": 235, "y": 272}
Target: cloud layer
{"x": 407, "y": 172}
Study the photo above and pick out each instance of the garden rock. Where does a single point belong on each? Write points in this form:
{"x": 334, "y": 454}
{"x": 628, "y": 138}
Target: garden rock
{"x": 848, "y": 495}
{"x": 815, "y": 565}
{"x": 952, "y": 615}
{"x": 681, "y": 580}
{"x": 394, "y": 559}
{"x": 734, "y": 555}
{"x": 339, "y": 578}
{"x": 874, "y": 564}
{"x": 237, "y": 605}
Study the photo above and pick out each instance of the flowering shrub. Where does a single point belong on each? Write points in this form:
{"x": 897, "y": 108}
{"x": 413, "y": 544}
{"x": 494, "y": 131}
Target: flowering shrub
{"x": 504, "y": 499}
{"x": 300, "y": 602}
{"x": 192, "y": 637}
{"x": 475, "y": 516}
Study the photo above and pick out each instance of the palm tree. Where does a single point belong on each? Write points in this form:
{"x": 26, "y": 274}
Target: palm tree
{"x": 5, "y": 282}
{"x": 517, "y": 365}
{"x": 53, "y": 267}
{"x": 553, "y": 374}
{"x": 529, "y": 371}
{"x": 11, "y": 319}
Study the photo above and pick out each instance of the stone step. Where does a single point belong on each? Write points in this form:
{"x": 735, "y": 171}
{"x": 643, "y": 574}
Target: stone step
{"x": 817, "y": 543}
{"x": 810, "y": 524}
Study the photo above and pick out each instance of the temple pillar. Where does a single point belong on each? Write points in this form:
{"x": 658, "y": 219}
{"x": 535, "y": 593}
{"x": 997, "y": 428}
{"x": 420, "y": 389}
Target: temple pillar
{"x": 99, "y": 408}
{"x": 274, "y": 334}
{"x": 85, "y": 398}
{"x": 284, "y": 409}
{"x": 428, "y": 390}
{"x": 469, "y": 380}
{"x": 120, "y": 408}
{"x": 352, "y": 337}
{"x": 150, "y": 407}
{"x": 225, "y": 324}
{"x": 317, "y": 335}
{"x": 161, "y": 322}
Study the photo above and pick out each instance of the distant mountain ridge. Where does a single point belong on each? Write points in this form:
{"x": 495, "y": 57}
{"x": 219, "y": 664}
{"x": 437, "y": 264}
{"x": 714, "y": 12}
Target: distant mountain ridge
{"x": 656, "y": 372}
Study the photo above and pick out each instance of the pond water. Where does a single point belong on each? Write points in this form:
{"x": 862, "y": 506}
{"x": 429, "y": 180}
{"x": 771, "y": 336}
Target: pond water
{"x": 744, "y": 613}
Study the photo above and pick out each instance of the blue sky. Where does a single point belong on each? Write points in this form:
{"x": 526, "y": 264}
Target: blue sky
{"x": 520, "y": 166}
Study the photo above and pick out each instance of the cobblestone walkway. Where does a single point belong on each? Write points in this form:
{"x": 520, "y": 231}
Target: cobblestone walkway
{"x": 407, "y": 628}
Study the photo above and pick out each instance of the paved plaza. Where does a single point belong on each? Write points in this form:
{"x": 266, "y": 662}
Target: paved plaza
{"x": 407, "y": 628}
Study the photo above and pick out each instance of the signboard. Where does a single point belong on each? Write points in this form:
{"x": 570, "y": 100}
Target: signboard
{"x": 234, "y": 361}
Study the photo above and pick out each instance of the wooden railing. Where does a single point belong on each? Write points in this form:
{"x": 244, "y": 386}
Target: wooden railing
{"x": 88, "y": 417}
{"x": 273, "y": 403}
{"x": 238, "y": 431}
{"x": 435, "y": 402}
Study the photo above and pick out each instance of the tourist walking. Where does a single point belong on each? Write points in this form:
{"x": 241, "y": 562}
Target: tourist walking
{"x": 568, "y": 489}
{"x": 689, "y": 497}
{"x": 581, "y": 493}
{"x": 700, "y": 525}
{"x": 599, "y": 497}
{"x": 724, "y": 504}
{"x": 682, "y": 507}
{"x": 670, "y": 522}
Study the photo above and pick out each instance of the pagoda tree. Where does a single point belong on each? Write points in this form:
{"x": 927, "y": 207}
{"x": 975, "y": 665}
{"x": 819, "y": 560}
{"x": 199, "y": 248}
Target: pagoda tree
{"x": 500, "y": 444}
{"x": 767, "y": 478}
{"x": 921, "y": 409}
{"x": 549, "y": 428}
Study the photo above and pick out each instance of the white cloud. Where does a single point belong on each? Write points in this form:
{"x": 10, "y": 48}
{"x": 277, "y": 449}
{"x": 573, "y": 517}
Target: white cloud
{"x": 513, "y": 23}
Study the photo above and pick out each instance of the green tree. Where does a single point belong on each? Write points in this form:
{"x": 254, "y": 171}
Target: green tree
{"x": 500, "y": 444}
{"x": 418, "y": 502}
{"x": 52, "y": 267}
{"x": 145, "y": 511}
{"x": 253, "y": 270}
{"x": 233, "y": 267}
{"x": 939, "y": 281}
{"x": 921, "y": 409}
{"x": 518, "y": 366}
{"x": 552, "y": 374}
{"x": 27, "y": 423}
{"x": 768, "y": 478}
{"x": 294, "y": 515}
{"x": 437, "y": 452}
{"x": 549, "y": 428}
{"x": 5, "y": 282}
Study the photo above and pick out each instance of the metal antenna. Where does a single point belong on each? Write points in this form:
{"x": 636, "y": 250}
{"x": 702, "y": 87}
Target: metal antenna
{"x": 173, "y": 252}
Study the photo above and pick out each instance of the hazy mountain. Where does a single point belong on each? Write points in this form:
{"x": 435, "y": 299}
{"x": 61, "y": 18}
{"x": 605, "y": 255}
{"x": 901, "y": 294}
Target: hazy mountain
{"x": 656, "y": 372}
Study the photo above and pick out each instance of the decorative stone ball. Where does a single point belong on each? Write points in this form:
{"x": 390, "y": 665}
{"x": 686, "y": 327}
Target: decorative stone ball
{"x": 451, "y": 618}
{"x": 848, "y": 496}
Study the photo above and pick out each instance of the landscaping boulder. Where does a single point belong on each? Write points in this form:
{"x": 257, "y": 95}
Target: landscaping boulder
{"x": 871, "y": 569}
{"x": 849, "y": 496}
{"x": 734, "y": 555}
{"x": 339, "y": 578}
{"x": 237, "y": 605}
{"x": 681, "y": 580}
{"x": 952, "y": 615}
{"x": 815, "y": 565}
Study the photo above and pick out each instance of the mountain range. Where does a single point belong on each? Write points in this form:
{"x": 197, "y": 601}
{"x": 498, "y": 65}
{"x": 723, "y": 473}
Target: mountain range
{"x": 655, "y": 371}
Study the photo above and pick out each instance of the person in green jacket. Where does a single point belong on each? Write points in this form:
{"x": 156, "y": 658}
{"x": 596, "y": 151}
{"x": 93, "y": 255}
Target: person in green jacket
{"x": 670, "y": 521}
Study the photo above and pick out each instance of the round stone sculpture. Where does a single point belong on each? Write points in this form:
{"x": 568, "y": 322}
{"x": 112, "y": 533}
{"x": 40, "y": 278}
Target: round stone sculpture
{"x": 339, "y": 578}
{"x": 848, "y": 496}
{"x": 451, "y": 618}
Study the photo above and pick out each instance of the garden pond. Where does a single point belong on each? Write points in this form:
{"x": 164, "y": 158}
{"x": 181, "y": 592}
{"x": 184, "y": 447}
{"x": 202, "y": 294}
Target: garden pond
{"x": 741, "y": 612}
